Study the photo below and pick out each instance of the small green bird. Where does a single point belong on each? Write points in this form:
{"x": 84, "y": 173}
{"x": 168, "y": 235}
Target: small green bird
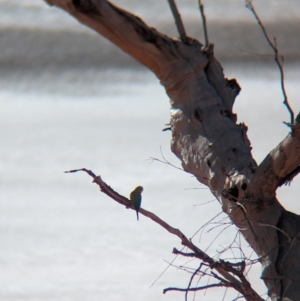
{"x": 136, "y": 199}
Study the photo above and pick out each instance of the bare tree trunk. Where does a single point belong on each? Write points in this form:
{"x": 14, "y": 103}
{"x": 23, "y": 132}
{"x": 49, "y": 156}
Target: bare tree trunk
{"x": 209, "y": 142}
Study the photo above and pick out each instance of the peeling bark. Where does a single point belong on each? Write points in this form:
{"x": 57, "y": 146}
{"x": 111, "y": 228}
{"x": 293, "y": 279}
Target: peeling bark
{"x": 208, "y": 141}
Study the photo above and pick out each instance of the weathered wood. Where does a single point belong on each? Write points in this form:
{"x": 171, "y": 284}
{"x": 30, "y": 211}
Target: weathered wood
{"x": 207, "y": 139}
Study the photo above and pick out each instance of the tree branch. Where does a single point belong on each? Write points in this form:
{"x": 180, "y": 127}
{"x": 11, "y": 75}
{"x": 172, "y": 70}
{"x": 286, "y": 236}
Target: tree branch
{"x": 193, "y": 289}
{"x": 177, "y": 252}
{"x": 191, "y": 280}
{"x": 278, "y": 58}
{"x": 151, "y": 48}
{"x": 281, "y": 165}
{"x": 223, "y": 268}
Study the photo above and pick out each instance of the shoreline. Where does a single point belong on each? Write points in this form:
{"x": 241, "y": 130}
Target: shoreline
{"x": 241, "y": 43}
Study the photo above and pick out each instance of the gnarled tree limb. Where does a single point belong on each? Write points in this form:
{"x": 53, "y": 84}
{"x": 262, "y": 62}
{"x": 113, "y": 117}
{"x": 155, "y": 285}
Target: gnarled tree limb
{"x": 207, "y": 140}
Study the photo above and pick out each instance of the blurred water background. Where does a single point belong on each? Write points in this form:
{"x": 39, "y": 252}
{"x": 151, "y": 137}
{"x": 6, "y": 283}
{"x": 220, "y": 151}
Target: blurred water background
{"x": 70, "y": 99}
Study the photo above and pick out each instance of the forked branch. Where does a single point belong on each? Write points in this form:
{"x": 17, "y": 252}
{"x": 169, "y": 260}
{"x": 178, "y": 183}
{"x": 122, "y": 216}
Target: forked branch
{"x": 232, "y": 277}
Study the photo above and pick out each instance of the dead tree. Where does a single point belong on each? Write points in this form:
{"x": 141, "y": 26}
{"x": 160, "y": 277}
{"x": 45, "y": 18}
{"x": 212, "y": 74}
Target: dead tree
{"x": 212, "y": 146}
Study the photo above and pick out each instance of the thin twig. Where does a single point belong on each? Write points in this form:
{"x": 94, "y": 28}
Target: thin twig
{"x": 201, "y": 7}
{"x": 164, "y": 271}
{"x": 199, "y": 279}
{"x": 230, "y": 245}
{"x": 217, "y": 225}
{"x": 217, "y": 237}
{"x": 225, "y": 294}
{"x": 220, "y": 222}
{"x": 242, "y": 254}
{"x": 180, "y": 267}
{"x": 278, "y": 58}
{"x": 191, "y": 280}
{"x": 178, "y": 20}
{"x": 203, "y": 227}
{"x": 204, "y": 203}
{"x": 164, "y": 161}
{"x": 255, "y": 53}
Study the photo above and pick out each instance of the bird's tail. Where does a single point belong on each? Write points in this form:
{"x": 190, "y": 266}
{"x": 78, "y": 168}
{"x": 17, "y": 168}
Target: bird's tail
{"x": 137, "y": 214}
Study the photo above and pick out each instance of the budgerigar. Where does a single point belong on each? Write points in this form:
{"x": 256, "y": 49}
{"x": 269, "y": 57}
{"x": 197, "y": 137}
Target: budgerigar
{"x": 136, "y": 199}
